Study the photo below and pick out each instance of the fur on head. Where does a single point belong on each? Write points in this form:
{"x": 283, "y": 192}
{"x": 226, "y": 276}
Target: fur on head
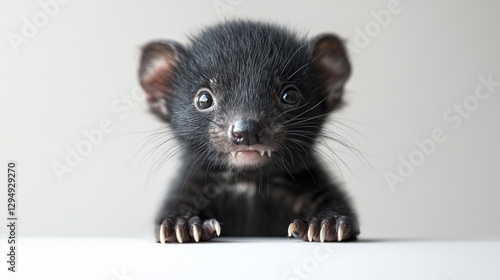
{"x": 244, "y": 95}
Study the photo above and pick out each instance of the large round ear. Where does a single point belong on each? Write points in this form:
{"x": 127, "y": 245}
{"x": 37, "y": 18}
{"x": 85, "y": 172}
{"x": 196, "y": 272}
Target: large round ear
{"x": 156, "y": 73}
{"x": 331, "y": 58}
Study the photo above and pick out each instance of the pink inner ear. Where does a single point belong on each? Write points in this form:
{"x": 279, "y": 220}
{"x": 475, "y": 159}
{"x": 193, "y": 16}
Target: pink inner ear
{"x": 158, "y": 65}
{"x": 157, "y": 77}
{"x": 156, "y": 72}
{"x": 332, "y": 59}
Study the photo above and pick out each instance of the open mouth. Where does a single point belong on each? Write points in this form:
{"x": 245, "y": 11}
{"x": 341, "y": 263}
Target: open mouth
{"x": 251, "y": 155}
{"x": 246, "y": 153}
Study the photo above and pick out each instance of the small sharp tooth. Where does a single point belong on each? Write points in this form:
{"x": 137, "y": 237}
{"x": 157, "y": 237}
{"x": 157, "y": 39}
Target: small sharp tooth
{"x": 262, "y": 153}
{"x": 269, "y": 153}
{"x": 233, "y": 154}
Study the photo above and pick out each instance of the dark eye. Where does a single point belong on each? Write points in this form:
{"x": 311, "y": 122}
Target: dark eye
{"x": 290, "y": 96}
{"x": 204, "y": 99}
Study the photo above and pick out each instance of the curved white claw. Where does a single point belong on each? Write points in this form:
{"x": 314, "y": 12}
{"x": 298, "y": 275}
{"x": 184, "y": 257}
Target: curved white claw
{"x": 217, "y": 228}
{"x": 291, "y": 229}
{"x": 340, "y": 232}
{"x": 196, "y": 233}
{"x": 322, "y": 233}
{"x": 310, "y": 233}
{"x": 178, "y": 234}
{"x": 162, "y": 234}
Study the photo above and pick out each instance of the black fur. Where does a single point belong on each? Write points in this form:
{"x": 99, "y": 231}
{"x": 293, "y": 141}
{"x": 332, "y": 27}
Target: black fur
{"x": 247, "y": 65}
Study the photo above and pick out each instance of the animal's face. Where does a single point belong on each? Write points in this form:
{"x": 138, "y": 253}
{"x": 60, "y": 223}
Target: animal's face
{"x": 246, "y": 96}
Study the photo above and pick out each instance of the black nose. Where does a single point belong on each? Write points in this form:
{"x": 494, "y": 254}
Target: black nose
{"x": 247, "y": 132}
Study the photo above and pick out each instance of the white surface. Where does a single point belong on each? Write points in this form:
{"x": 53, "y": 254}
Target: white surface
{"x": 262, "y": 258}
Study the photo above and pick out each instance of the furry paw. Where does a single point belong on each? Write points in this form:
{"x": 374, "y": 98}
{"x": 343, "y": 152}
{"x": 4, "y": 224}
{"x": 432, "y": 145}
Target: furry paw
{"x": 325, "y": 229}
{"x": 178, "y": 229}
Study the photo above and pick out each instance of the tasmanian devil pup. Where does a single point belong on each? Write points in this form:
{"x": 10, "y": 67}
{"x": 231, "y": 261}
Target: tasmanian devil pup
{"x": 246, "y": 101}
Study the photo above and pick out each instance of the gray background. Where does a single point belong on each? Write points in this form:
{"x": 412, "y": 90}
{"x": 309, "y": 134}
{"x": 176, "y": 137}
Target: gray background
{"x": 74, "y": 71}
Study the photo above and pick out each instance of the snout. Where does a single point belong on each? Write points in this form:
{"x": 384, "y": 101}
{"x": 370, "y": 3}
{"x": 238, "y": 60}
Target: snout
{"x": 251, "y": 143}
{"x": 247, "y": 132}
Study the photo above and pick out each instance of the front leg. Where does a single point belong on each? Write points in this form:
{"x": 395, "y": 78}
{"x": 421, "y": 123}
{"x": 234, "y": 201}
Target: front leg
{"x": 179, "y": 219}
{"x": 326, "y": 215}
{"x": 330, "y": 228}
{"x": 181, "y": 230}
